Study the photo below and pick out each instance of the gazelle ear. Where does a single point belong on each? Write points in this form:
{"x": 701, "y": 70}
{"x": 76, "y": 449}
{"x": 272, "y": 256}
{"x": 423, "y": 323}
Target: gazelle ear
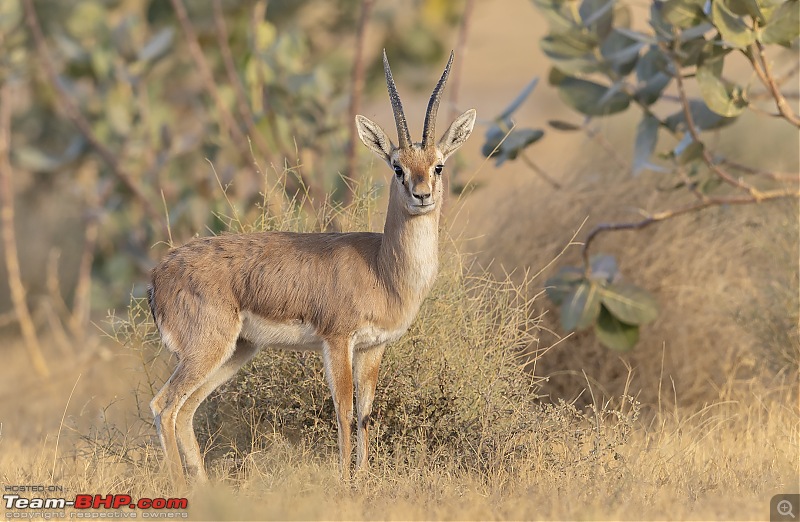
{"x": 374, "y": 137}
{"x": 457, "y": 133}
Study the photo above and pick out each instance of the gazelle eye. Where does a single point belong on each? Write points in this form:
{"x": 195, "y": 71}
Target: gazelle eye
{"x": 438, "y": 169}
{"x": 398, "y": 171}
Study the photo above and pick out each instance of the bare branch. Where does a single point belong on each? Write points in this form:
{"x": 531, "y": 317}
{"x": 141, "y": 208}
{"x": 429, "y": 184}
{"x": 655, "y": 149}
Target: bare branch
{"x": 764, "y": 71}
{"x": 302, "y": 184}
{"x": 539, "y": 171}
{"x": 206, "y": 75}
{"x": 238, "y": 88}
{"x": 775, "y": 176}
{"x": 356, "y": 88}
{"x": 455, "y": 81}
{"x": 74, "y": 115}
{"x": 708, "y": 158}
{"x": 81, "y": 301}
{"x": 612, "y": 151}
{"x": 671, "y": 213}
{"x": 16, "y": 287}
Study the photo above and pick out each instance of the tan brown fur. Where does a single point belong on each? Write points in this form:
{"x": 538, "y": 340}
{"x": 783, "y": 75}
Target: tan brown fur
{"x": 216, "y": 301}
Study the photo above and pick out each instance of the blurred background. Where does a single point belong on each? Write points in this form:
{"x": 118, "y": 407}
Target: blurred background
{"x": 132, "y": 125}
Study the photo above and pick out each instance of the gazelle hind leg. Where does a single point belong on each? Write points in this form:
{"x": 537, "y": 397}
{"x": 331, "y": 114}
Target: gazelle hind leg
{"x": 195, "y": 366}
{"x": 365, "y": 374}
{"x": 187, "y": 441}
{"x": 337, "y": 356}
{"x": 166, "y": 430}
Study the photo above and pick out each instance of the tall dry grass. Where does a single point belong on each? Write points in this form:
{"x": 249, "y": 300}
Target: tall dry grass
{"x": 726, "y": 278}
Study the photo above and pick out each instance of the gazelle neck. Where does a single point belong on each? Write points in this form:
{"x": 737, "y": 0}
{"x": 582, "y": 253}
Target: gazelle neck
{"x": 409, "y": 254}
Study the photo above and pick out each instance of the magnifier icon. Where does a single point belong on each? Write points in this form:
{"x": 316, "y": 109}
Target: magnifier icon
{"x": 785, "y": 508}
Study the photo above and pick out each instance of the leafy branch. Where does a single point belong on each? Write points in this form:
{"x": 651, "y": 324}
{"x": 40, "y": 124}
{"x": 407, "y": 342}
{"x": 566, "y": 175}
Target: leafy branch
{"x": 601, "y": 66}
{"x": 72, "y": 112}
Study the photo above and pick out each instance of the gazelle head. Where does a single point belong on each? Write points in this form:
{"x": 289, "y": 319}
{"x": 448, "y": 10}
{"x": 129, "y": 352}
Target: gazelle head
{"x": 417, "y": 167}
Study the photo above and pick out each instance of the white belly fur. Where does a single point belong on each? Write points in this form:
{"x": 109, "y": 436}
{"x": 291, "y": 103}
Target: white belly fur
{"x": 291, "y": 336}
{"x": 303, "y": 336}
{"x": 370, "y": 336}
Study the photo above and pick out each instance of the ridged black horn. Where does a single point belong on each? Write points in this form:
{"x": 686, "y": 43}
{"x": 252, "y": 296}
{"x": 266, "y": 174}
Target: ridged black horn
{"x": 429, "y": 130}
{"x": 403, "y": 136}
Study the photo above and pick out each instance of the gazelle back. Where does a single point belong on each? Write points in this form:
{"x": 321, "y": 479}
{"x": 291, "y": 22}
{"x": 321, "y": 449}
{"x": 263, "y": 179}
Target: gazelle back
{"x": 217, "y": 300}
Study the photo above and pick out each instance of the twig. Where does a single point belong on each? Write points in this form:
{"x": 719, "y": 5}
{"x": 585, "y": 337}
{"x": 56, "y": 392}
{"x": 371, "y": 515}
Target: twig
{"x": 598, "y": 138}
{"x": 74, "y": 115}
{"x": 698, "y": 205}
{"x": 539, "y": 171}
{"x": 238, "y": 88}
{"x": 81, "y": 301}
{"x": 455, "y": 78}
{"x": 356, "y": 89}
{"x": 775, "y": 176}
{"x": 695, "y": 133}
{"x": 764, "y": 72}
{"x": 210, "y": 86}
{"x": 206, "y": 75}
{"x": 15, "y": 285}
{"x": 61, "y": 425}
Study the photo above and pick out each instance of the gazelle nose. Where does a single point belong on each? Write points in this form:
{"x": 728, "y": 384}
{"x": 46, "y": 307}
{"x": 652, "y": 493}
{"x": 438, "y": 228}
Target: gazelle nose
{"x": 422, "y": 197}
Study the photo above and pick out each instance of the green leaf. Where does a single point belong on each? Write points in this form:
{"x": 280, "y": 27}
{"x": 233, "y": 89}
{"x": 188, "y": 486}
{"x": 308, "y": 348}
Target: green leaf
{"x": 580, "y": 308}
{"x": 88, "y": 20}
{"x": 653, "y": 74}
{"x": 783, "y": 26}
{"x": 687, "y": 150}
{"x": 591, "y": 98}
{"x": 613, "y": 333}
{"x": 629, "y": 303}
{"x": 572, "y": 51}
{"x": 563, "y": 125}
{"x": 722, "y": 96}
{"x": 646, "y": 139}
{"x": 559, "y": 15}
{"x": 37, "y": 160}
{"x": 604, "y": 267}
{"x": 555, "y": 76}
{"x": 510, "y": 147}
{"x": 563, "y": 284}
{"x": 703, "y": 117}
{"x": 521, "y": 97}
{"x": 597, "y": 16}
{"x": 158, "y": 46}
{"x": 636, "y": 35}
{"x": 733, "y": 29}
{"x": 621, "y": 52}
{"x": 745, "y": 7}
{"x": 691, "y": 51}
{"x": 572, "y": 44}
{"x": 682, "y": 13}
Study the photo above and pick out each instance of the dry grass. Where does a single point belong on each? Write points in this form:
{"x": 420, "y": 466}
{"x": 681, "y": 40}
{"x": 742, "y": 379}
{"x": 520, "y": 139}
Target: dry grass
{"x": 726, "y": 279}
{"x": 463, "y": 431}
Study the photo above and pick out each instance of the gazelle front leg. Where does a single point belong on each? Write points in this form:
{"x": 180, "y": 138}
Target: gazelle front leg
{"x": 365, "y": 368}
{"x": 337, "y": 356}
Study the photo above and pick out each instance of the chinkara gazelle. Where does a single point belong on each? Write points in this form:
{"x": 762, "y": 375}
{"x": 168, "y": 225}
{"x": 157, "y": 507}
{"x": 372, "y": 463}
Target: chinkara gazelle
{"x": 217, "y": 300}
